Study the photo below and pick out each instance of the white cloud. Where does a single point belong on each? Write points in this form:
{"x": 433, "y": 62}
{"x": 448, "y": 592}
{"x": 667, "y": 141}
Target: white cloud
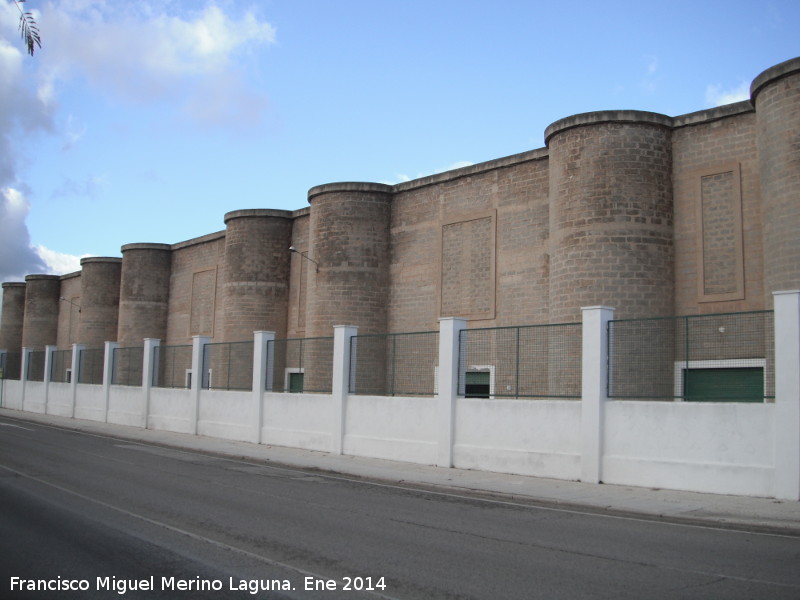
{"x": 717, "y": 96}
{"x": 17, "y": 258}
{"x": 21, "y": 115}
{"x": 142, "y": 53}
{"x": 402, "y": 178}
{"x": 58, "y": 263}
{"x": 649, "y": 83}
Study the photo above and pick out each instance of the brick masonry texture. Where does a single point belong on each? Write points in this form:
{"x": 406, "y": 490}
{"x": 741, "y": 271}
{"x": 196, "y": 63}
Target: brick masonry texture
{"x": 651, "y": 214}
{"x": 13, "y": 315}
{"x": 144, "y": 293}
{"x": 100, "y": 288}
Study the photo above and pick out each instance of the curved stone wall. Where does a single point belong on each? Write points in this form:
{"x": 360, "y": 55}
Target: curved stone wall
{"x": 256, "y": 273}
{"x": 611, "y": 214}
{"x": 776, "y": 95}
{"x": 144, "y": 293}
{"x": 350, "y": 241}
{"x": 40, "y": 324}
{"x": 13, "y": 316}
{"x": 100, "y": 279}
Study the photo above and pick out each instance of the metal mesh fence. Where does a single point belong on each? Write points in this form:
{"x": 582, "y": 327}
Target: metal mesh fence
{"x": 300, "y": 365}
{"x": 537, "y": 361}
{"x": 228, "y": 366}
{"x": 172, "y": 366}
{"x": 36, "y": 366}
{"x": 10, "y": 365}
{"x": 127, "y": 366}
{"x": 90, "y": 365}
{"x": 394, "y": 364}
{"x": 719, "y": 357}
{"x": 60, "y": 364}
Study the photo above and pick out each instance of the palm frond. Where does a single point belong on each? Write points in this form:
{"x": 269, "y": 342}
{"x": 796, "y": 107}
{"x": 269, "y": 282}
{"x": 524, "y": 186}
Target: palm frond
{"x": 28, "y": 29}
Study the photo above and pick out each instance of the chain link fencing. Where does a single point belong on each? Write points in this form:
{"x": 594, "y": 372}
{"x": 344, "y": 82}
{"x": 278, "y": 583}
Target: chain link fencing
{"x": 60, "y": 365}
{"x": 394, "y": 364}
{"x": 90, "y": 366}
{"x": 228, "y": 366}
{"x": 127, "y": 364}
{"x": 717, "y": 357}
{"x": 534, "y": 361}
{"x": 300, "y": 365}
{"x": 10, "y": 365}
{"x": 173, "y": 365}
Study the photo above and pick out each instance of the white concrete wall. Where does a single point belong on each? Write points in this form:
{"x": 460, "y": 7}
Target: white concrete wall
{"x": 724, "y": 448}
{"x": 391, "y": 427}
{"x": 527, "y": 437}
{"x": 59, "y": 399}
{"x": 125, "y": 405}
{"x": 11, "y": 394}
{"x": 297, "y": 420}
{"x": 226, "y": 415}
{"x": 90, "y": 402}
{"x": 34, "y": 396}
{"x": 170, "y": 410}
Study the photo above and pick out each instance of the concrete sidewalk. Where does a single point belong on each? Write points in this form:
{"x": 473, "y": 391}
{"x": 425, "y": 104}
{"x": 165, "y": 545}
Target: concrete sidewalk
{"x": 756, "y": 514}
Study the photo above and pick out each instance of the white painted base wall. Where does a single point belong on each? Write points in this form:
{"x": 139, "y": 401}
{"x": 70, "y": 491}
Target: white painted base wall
{"x": 724, "y": 448}
{"x": 170, "y": 410}
{"x": 391, "y": 427}
{"x": 297, "y": 421}
{"x": 59, "y": 399}
{"x": 524, "y": 437}
{"x": 90, "y": 402}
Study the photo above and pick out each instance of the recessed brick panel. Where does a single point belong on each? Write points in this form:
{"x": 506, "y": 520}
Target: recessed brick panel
{"x": 468, "y": 268}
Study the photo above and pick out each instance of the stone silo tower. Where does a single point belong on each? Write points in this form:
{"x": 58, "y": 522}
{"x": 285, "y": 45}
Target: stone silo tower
{"x": 256, "y": 273}
{"x": 40, "y": 324}
{"x": 611, "y": 214}
{"x": 13, "y": 316}
{"x": 350, "y": 241}
{"x": 776, "y": 96}
{"x": 144, "y": 293}
{"x": 100, "y": 279}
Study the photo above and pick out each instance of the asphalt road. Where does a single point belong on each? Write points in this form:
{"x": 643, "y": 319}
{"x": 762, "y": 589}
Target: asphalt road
{"x": 109, "y": 515}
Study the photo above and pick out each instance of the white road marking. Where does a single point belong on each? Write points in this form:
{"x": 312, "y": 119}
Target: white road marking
{"x": 17, "y": 426}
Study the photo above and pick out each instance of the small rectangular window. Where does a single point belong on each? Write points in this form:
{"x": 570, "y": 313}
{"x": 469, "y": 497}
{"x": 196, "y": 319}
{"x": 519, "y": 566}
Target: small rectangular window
{"x": 477, "y": 384}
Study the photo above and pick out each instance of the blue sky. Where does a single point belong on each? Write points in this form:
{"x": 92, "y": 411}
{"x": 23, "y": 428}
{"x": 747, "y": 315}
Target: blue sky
{"x": 147, "y": 121}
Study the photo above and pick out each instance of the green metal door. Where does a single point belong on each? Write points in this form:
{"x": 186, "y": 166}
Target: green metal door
{"x": 744, "y": 384}
{"x": 295, "y": 383}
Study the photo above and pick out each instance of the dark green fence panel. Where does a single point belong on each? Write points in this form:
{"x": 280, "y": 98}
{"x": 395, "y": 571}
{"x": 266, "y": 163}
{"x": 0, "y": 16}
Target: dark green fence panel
{"x": 712, "y": 358}
{"x": 535, "y": 361}
{"x": 394, "y": 364}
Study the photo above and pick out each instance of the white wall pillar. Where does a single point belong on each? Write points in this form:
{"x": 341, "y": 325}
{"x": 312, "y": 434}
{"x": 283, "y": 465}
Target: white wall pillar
{"x": 594, "y": 386}
{"x": 75, "y": 367}
{"x": 48, "y": 373}
{"x": 787, "y": 395}
{"x": 261, "y": 371}
{"x": 23, "y": 375}
{"x": 449, "y": 335}
{"x": 108, "y": 372}
{"x": 198, "y": 344}
{"x": 341, "y": 383}
{"x": 149, "y": 369}
{"x": 3, "y": 374}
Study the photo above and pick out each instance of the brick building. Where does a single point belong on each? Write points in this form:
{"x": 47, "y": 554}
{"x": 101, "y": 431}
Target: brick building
{"x": 651, "y": 214}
